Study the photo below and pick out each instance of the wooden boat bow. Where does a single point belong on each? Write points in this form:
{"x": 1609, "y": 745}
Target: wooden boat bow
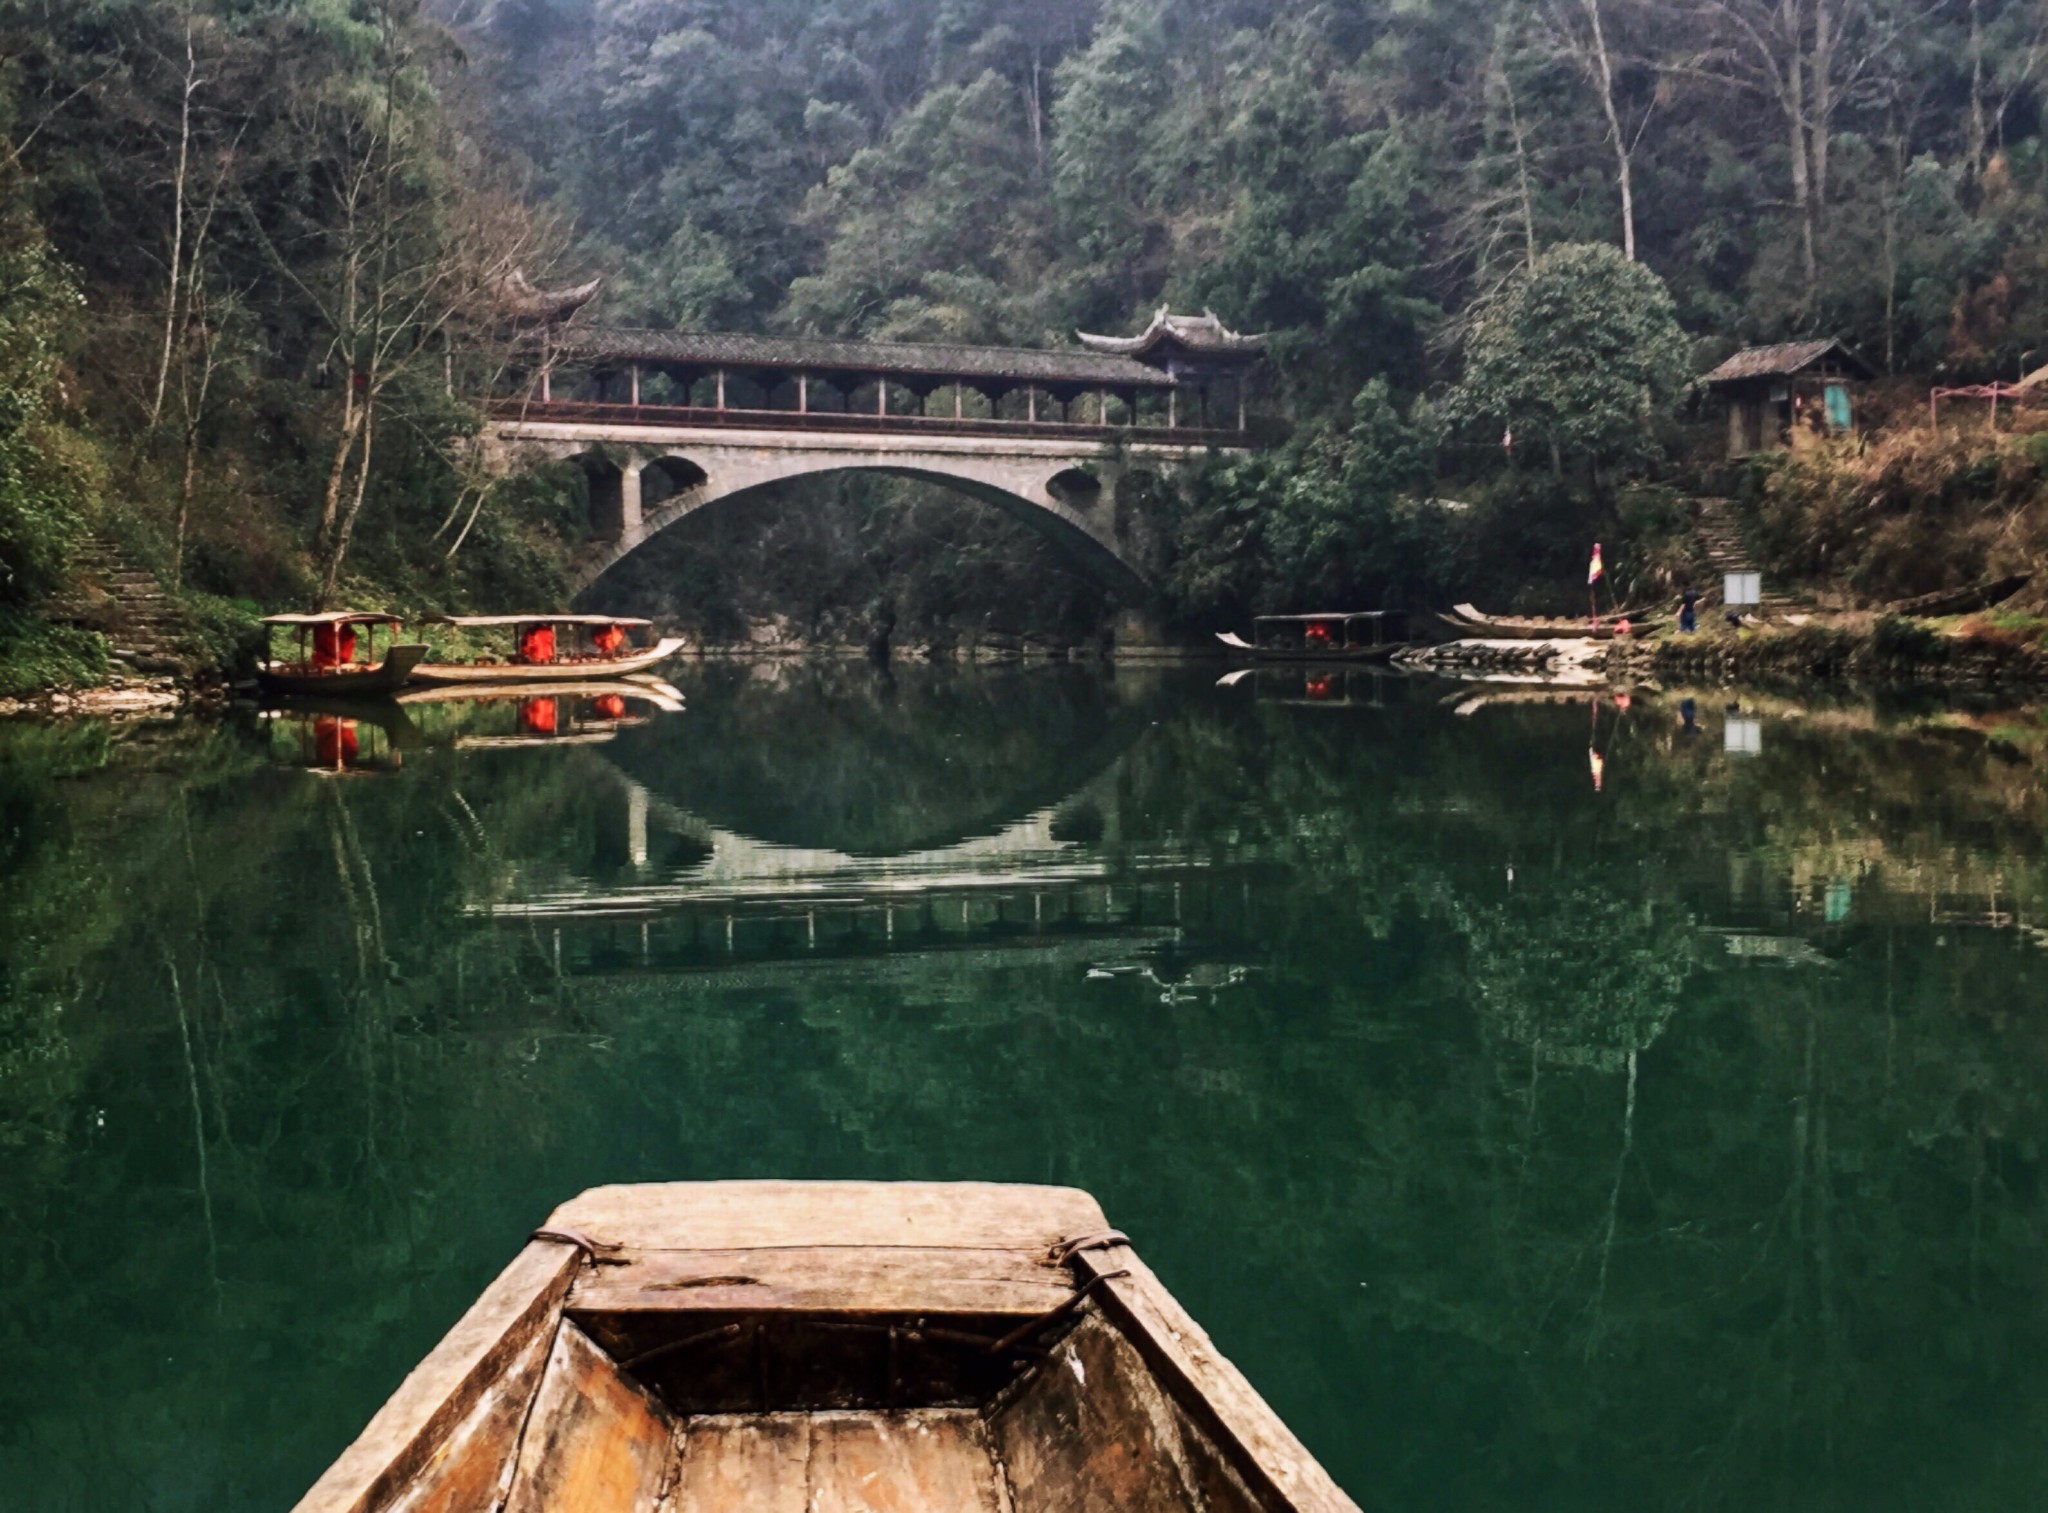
{"x": 789, "y": 1345}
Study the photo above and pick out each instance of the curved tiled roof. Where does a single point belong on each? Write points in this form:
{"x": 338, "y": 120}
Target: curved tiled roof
{"x": 1203, "y": 333}
{"x": 730, "y": 349}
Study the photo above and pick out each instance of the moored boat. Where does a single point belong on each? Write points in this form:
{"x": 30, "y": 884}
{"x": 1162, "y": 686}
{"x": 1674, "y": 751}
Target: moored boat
{"x": 334, "y": 660}
{"x": 1467, "y": 621}
{"x": 597, "y": 647}
{"x": 1353, "y": 636}
{"x": 772, "y": 1346}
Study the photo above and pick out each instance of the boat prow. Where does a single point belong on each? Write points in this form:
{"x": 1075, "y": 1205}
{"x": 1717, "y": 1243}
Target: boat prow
{"x": 729, "y": 1346}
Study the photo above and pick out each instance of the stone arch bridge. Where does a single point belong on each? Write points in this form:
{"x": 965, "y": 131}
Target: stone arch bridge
{"x": 668, "y": 423}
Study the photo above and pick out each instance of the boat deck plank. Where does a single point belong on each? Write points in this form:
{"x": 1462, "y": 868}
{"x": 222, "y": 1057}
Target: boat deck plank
{"x": 784, "y": 1215}
{"x": 749, "y": 1463}
{"x": 824, "y": 1279}
{"x": 924, "y": 1461}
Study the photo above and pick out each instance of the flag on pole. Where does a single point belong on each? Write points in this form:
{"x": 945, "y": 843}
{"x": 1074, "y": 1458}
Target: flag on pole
{"x": 1595, "y": 570}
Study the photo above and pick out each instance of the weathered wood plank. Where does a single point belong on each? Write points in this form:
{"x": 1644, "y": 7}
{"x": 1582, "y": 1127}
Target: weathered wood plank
{"x": 596, "y": 1443}
{"x": 1091, "y": 1431}
{"x": 1261, "y": 1447}
{"x": 416, "y": 1421}
{"x": 747, "y": 1463}
{"x": 470, "y": 1467}
{"x": 868, "y": 1280}
{"x": 934, "y": 1461}
{"x": 769, "y": 1215}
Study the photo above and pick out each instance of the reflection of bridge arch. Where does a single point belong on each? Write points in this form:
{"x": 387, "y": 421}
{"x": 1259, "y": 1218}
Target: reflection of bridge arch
{"x": 1030, "y": 892}
{"x": 733, "y": 867}
{"x": 646, "y": 478}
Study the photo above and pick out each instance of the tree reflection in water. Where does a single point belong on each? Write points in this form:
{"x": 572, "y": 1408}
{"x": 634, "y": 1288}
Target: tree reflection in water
{"x": 1528, "y": 1147}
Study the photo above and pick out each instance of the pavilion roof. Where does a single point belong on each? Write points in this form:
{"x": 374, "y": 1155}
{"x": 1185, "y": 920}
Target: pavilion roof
{"x": 792, "y": 354}
{"x": 1204, "y": 334}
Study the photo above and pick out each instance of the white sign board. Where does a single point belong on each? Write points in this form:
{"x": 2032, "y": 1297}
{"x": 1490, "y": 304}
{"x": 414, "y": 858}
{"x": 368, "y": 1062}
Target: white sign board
{"x": 1743, "y": 737}
{"x": 1742, "y": 590}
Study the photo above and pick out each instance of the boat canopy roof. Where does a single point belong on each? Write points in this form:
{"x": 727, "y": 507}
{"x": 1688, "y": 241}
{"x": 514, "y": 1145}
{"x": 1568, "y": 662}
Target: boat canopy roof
{"x": 476, "y": 621}
{"x": 1335, "y": 614}
{"x": 336, "y": 617}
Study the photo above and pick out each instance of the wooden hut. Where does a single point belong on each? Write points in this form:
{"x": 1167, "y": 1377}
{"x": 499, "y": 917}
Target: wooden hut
{"x": 1771, "y": 391}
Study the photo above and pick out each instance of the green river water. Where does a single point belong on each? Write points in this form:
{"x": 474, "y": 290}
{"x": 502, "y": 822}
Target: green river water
{"x": 1678, "y": 1144}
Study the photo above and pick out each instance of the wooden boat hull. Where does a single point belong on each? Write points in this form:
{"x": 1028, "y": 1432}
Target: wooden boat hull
{"x": 385, "y": 677}
{"x": 436, "y": 673}
{"x": 962, "y": 1348}
{"x": 1382, "y": 653}
{"x": 1471, "y": 624}
{"x": 1961, "y": 601}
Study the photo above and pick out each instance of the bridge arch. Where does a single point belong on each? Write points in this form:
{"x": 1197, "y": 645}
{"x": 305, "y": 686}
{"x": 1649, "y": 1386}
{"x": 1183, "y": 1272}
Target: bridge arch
{"x": 1066, "y": 489}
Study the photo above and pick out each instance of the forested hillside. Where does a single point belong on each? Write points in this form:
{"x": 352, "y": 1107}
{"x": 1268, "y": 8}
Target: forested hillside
{"x": 245, "y": 241}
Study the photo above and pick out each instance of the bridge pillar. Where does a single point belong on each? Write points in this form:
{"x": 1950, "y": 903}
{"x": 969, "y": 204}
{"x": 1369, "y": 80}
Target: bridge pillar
{"x": 629, "y": 497}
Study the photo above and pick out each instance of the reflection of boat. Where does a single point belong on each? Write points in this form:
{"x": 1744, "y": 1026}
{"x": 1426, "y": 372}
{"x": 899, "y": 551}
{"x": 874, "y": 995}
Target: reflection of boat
{"x": 536, "y": 656}
{"x": 585, "y": 713}
{"x": 331, "y": 667}
{"x": 1468, "y": 621}
{"x": 663, "y": 696}
{"x": 1368, "y": 635}
{"x": 340, "y": 740}
{"x": 768, "y": 1345}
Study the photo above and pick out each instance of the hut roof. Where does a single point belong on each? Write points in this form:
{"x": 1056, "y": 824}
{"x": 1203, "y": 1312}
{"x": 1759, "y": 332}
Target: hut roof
{"x": 1784, "y": 360}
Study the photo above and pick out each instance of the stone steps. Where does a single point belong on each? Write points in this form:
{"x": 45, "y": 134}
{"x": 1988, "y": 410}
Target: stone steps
{"x": 123, "y": 601}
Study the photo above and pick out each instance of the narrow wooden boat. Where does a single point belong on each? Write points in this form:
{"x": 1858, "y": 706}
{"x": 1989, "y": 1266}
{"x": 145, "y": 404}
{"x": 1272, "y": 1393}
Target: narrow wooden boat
{"x": 1961, "y": 601}
{"x": 335, "y": 665}
{"x": 1470, "y": 622}
{"x": 533, "y": 658}
{"x": 1350, "y": 636}
{"x": 781, "y": 1347}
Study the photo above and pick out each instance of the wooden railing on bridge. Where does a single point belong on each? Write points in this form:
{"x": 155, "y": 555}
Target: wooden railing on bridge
{"x": 588, "y": 412}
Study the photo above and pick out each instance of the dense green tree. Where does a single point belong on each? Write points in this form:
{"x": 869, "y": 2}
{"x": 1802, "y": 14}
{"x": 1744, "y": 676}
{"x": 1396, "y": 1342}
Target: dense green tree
{"x": 1577, "y": 357}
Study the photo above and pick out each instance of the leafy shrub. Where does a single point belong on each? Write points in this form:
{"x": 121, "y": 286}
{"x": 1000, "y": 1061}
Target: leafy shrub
{"x": 1900, "y": 638}
{"x": 35, "y": 655}
{"x": 224, "y": 633}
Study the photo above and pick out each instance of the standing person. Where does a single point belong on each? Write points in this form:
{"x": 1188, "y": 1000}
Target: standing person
{"x": 1688, "y": 609}
{"x": 1595, "y": 570}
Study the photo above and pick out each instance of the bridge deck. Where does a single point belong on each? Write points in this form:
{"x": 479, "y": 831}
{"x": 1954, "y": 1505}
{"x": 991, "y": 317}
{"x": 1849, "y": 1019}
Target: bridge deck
{"x": 555, "y": 412}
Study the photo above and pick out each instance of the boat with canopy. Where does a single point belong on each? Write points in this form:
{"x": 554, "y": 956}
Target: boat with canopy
{"x": 791, "y": 1347}
{"x": 1338, "y": 636}
{"x": 554, "y": 648}
{"x": 337, "y": 655}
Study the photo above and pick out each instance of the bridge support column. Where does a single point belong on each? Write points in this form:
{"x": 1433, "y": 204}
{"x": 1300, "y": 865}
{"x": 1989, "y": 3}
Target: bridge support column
{"x": 629, "y": 497}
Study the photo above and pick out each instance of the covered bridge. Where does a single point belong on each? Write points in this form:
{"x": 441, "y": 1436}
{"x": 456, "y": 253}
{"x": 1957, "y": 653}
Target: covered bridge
{"x": 1183, "y": 371}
